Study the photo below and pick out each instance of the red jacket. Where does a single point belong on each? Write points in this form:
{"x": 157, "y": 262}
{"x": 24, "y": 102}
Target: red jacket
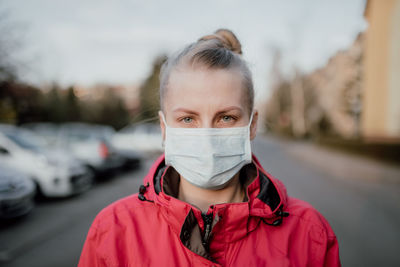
{"x": 153, "y": 228}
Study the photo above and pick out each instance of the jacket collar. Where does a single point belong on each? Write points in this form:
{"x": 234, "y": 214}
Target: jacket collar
{"x": 266, "y": 200}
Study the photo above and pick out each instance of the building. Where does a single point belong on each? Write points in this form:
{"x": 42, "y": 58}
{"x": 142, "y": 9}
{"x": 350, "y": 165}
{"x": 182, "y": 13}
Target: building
{"x": 380, "y": 119}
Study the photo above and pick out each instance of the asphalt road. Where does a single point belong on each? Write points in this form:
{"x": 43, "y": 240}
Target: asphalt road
{"x": 365, "y": 215}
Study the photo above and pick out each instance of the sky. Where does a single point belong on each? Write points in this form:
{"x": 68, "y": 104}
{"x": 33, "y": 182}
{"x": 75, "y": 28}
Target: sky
{"x": 102, "y": 41}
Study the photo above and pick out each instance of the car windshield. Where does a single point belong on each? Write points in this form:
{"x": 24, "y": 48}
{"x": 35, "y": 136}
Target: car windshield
{"x": 146, "y": 128}
{"x": 90, "y": 133}
{"x": 26, "y": 140}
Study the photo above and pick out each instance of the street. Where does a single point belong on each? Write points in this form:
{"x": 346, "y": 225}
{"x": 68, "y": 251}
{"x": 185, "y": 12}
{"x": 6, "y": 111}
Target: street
{"x": 364, "y": 213}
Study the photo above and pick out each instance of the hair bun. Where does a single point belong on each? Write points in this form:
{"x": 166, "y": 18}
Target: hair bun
{"x": 227, "y": 38}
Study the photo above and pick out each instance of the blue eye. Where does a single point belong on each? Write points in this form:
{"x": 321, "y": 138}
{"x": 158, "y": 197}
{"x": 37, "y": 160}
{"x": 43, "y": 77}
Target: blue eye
{"x": 187, "y": 120}
{"x": 226, "y": 118}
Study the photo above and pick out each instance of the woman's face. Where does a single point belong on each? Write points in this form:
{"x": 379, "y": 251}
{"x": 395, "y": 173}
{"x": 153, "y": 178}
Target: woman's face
{"x": 205, "y": 98}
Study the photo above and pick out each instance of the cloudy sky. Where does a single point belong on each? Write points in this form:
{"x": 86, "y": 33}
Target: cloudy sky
{"x": 116, "y": 41}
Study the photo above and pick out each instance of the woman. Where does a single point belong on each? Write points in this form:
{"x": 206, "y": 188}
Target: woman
{"x": 207, "y": 201}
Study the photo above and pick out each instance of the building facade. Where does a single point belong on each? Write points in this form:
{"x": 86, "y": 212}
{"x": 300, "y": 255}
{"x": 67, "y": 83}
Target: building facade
{"x": 381, "y": 91}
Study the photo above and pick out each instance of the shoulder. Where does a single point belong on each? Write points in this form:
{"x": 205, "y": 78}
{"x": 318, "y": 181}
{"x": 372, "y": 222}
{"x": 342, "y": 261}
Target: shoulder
{"x": 122, "y": 213}
{"x": 312, "y": 232}
{"x": 116, "y": 230}
{"x": 308, "y": 218}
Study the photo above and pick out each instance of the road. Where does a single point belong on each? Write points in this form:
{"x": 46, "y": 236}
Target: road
{"x": 364, "y": 213}
{"x": 54, "y": 233}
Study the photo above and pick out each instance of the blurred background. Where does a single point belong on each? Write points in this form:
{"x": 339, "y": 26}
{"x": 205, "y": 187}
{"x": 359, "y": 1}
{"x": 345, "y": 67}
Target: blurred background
{"x": 79, "y": 101}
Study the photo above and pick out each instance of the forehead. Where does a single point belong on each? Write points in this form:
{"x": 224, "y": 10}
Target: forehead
{"x": 200, "y": 88}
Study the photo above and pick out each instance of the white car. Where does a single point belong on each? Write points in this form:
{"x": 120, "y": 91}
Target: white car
{"x": 48, "y": 131}
{"x": 90, "y": 144}
{"x": 16, "y": 193}
{"x": 144, "y": 138}
{"x": 55, "y": 172}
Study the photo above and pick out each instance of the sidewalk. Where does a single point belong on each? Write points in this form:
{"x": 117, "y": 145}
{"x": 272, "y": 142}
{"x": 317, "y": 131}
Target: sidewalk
{"x": 341, "y": 164}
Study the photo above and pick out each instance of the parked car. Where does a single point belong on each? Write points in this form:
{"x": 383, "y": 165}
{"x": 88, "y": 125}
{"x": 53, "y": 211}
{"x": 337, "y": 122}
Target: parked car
{"x": 71, "y": 136}
{"x": 90, "y": 143}
{"x": 144, "y": 138}
{"x": 47, "y": 130}
{"x": 17, "y": 193}
{"x": 55, "y": 172}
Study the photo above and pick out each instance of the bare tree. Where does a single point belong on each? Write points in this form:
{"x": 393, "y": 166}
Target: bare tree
{"x": 10, "y": 44}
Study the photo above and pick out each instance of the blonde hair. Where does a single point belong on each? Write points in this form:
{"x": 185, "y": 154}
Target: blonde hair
{"x": 221, "y": 50}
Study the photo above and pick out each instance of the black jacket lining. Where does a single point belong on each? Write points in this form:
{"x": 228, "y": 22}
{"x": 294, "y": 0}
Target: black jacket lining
{"x": 268, "y": 193}
{"x": 157, "y": 178}
{"x": 191, "y": 236}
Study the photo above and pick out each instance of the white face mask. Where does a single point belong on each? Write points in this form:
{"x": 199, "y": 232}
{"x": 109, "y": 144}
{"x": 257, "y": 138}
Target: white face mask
{"x": 207, "y": 157}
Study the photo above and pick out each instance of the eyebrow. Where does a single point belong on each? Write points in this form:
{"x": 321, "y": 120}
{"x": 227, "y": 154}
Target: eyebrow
{"x": 185, "y": 111}
{"x": 230, "y": 109}
{"x": 225, "y": 110}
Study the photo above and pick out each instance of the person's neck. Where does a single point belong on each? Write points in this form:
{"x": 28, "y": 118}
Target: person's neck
{"x": 203, "y": 198}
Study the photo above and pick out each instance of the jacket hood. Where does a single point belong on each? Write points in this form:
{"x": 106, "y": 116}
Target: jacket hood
{"x": 267, "y": 196}
{"x": 265, "y": 202}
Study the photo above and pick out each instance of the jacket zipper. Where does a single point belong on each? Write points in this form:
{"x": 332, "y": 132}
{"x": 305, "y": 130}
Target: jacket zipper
{"x": 208, "y": 218}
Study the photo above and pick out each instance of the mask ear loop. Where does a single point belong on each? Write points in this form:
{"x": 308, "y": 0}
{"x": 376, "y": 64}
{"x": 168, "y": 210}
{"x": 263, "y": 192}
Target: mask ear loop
{"x": 251, "y": 118}
{"x": 163, "y": 119}
{"x": 166, "y": 126}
